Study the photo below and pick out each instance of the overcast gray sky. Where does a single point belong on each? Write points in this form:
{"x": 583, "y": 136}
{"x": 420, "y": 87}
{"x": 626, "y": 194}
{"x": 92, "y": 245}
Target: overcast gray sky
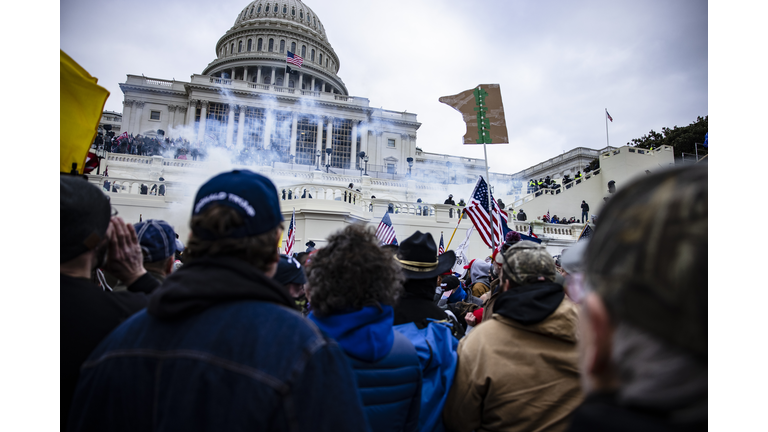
{"x": 559, "y": 63}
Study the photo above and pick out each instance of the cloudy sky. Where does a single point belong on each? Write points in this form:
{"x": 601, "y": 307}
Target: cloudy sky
{"x": 560, "y": 64}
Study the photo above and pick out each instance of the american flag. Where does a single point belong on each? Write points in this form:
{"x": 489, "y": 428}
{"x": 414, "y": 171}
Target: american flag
{"x": 441, "y": 248}
{"x": 291, "y": 235}
{"x": 530, "y": 231}
{"x": 122, "y": 136}
{"x": 586, "y": 232}
{"x": 549, "y": 219}
{"x": 385, "y": 233}
{"x": 294, "y": 59}
{"x": 488, "y": 225}
{"x": 609, "y": 116}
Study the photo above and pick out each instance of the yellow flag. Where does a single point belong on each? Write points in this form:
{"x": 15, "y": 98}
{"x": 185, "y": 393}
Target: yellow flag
{"x": 82, "y": 102}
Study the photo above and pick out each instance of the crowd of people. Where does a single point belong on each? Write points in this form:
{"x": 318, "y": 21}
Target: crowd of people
{"x": 226, "y": 333}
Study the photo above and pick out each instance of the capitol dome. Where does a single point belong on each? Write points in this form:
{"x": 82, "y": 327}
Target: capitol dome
{"x": 255, "y": 48}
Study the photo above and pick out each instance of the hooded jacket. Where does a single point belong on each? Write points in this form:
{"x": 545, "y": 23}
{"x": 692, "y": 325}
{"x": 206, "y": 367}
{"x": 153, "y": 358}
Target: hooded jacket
{"x": 481, "y": 279}
{"x": 519, "y": 370}
{"x": 385, "y": 363}
{"x": 417, "y": 305}
{"x": 219, "y": 348}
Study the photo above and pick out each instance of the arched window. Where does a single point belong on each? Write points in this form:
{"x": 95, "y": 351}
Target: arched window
{"x": 271, "y": 45}
{"x": 314, "y": 23}
{"x": 267, "y": 9}
{"x": 249, "y": 44}
{"x": 258, "y": 9}
{"x": 326, "y": 62}
{"x": 312, "y": 55}
{"x": 321, "y": 59}
{"x": 301, "y": 14}
{"x": 250, "y": 12}
{"x": 275, "y": 9}
{"x": 293, "y": 11}
{"x": 240, "y": 46}
{"x": 279, "y": 81}
{"x": 259, "y": 45}
{"x": 282, "y": 46}
{"x": 293, "y": 47}
{"x": 285, "y": 9}
{"x": 232, "y": 48}
{"x": 303, "y": 51}
{"x": 291, "y": 84}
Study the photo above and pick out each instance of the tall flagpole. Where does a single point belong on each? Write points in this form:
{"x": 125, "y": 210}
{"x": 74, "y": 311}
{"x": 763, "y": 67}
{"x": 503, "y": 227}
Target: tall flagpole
{"x": 608, "y": 144}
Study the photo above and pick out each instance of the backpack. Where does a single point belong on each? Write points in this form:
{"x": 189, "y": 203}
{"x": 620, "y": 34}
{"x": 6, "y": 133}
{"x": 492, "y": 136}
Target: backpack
{"x": 436, "y": 348}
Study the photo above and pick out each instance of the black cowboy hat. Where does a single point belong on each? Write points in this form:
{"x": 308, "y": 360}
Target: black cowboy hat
{"x": 418, "y": 257}
{"x": 309, "y": 243}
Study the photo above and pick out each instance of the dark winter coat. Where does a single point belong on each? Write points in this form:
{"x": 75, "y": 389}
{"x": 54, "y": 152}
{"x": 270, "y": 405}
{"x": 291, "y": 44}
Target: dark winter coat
{"x": 88, "y": 314}
{"x": 220, "y": 347}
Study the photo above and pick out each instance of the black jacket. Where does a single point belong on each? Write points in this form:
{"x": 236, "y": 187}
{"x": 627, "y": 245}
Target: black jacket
{"x": 417, "y": 305}
{"x": 88, "y": 315}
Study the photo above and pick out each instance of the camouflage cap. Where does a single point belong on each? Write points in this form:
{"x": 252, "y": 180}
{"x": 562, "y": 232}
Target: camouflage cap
{"x": 648, "y": 256}
{"x": 528, "y": 262}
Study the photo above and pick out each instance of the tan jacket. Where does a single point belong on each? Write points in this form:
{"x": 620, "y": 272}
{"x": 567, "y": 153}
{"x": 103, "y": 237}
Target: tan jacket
{"x": 479, "y": 289}
{"x": 512, "y": 377}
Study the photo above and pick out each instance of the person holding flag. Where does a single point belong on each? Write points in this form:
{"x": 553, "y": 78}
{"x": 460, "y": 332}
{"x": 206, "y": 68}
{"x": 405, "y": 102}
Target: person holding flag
{"x": 385, "y": 232}
{"x": 485, "y": 215}
{"x": 291, "y": 235}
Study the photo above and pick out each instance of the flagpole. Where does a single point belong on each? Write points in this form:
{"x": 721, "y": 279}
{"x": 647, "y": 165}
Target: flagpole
{"x": 607, "y": 143}
{"x": 490, "y": 201}
{"x": 454, "y": 232}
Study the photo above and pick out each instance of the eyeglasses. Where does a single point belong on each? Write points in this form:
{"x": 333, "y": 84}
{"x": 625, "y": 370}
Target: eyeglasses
{"x": 576, "y": 287}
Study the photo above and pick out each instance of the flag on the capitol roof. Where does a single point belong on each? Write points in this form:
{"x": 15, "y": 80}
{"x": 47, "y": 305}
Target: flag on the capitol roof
{"x": 291, "y": 235}
{"x": 609, "y": 116}
{"x": 586, "y": 233}
{"x": 486, "y": 216}
{"x": 385, "y": 232}
{"x": 441, "y": 248}
{"x": 294, "y": 59}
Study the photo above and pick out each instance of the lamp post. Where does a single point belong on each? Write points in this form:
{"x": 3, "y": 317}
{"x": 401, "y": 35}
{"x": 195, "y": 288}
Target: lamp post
{"x": 328, "y": 150}
{"x": 317, "y": 154}
{"x": 410, "y": 165}
{"x": 361, "y": 155}
{"x": 366, "y": 164}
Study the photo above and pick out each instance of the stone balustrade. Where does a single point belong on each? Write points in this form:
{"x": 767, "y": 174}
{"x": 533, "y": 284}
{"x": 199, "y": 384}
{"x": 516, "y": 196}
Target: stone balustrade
{"x": 129, "y": 186}
{"x": 561, "y": 189}
{"x": 325, "y": 192}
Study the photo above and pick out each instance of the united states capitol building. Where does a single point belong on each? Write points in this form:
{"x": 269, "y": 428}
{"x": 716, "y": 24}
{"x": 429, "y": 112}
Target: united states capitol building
{"x": 314, "y": 139}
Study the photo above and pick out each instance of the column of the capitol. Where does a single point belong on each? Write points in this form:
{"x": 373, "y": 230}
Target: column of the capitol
{"x": 127, "y": 115}
{"x": 137, "y": 117}
{"x": 301, "y": 80}
{"x": 313, "y": 84}
{"x": 191, "y": 113}
{"x": 354, "y": 150}
{"x": 294, "y": 127}
{"x": 171, "y": 120}
{"x": 329, "y": 139}
{"x": 230, "y": 123}
{"x": 319, "y": 146}
{"x": 272, "y": 82}
{"x": 241, "y": 125}
{"x": 245, "y": 73}
{"x": 258, "y": 74}
{"x": 203, "y": 115}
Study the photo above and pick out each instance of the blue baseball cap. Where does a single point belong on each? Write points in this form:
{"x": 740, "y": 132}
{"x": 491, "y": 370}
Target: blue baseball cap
{"x": 156, "y": 238}
{"x": 252, "y": 195}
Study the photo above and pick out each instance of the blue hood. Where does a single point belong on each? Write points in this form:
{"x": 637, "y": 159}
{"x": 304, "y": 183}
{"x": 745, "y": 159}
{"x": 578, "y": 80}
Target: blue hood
{"x": 365, "y": 334}
{"x": 457, "y": 295}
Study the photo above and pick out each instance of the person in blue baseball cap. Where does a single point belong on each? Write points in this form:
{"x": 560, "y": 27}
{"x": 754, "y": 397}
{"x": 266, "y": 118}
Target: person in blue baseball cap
{"x": 221, "y": 337}
{"x": 158, "y": 247}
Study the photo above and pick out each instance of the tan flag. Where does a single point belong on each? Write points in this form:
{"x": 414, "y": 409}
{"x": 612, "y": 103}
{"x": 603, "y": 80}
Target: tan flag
{"x": 483, "y": 113}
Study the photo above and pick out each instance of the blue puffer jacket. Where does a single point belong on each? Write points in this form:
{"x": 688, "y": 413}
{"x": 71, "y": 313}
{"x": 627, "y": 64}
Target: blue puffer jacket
{"x": 219, "y": 348}
{"x": 385, "y": 363}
